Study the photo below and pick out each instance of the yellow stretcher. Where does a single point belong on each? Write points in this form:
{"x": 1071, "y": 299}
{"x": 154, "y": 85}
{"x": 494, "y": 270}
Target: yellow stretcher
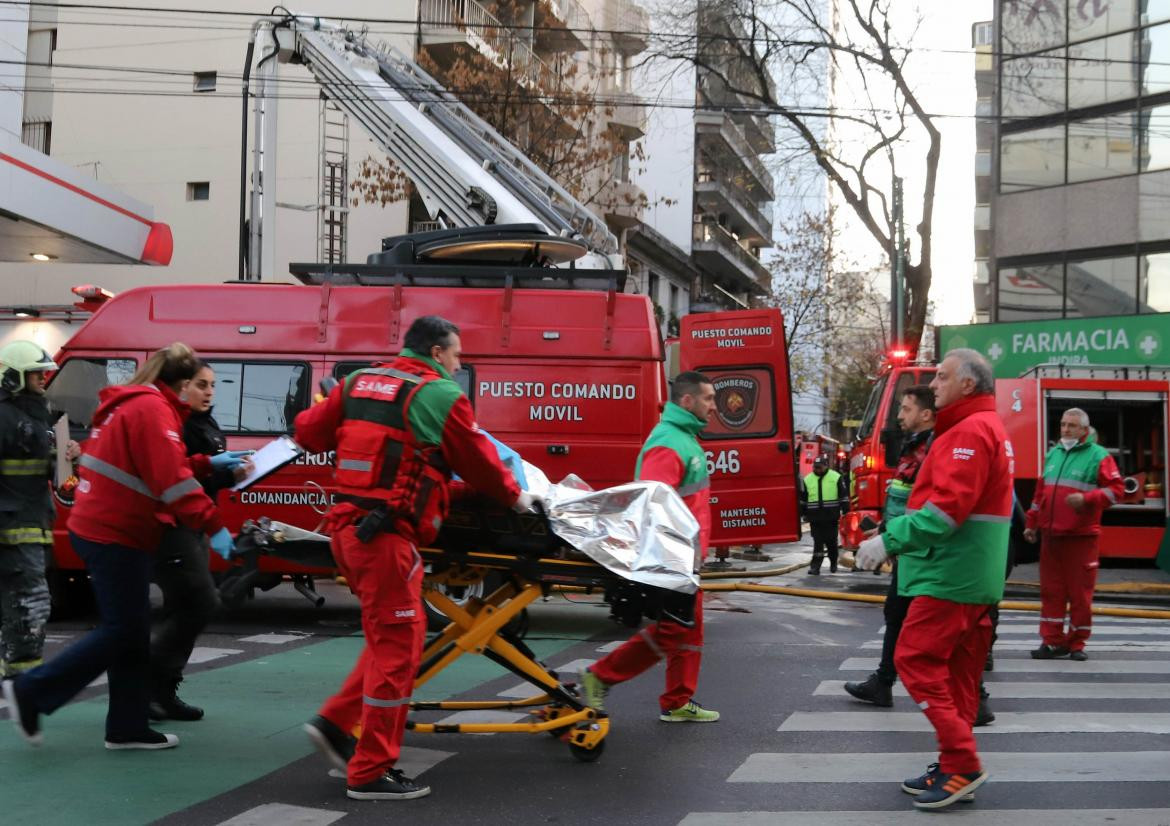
{"x": 532, "y": 561}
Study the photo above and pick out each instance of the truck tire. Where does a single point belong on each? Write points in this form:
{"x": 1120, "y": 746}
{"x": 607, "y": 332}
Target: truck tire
{"x": 460, "y": 595}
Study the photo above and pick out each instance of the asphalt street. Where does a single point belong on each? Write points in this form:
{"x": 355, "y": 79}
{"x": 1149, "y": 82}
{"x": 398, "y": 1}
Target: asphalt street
{"x": 1074, "y": 743}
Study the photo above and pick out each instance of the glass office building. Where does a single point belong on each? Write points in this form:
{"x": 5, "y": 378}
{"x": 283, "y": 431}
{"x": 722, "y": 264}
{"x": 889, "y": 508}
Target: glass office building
{"x": 1080, "y": 212}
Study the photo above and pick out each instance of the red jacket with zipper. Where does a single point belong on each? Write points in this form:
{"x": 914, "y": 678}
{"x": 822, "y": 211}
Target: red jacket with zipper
{"x": 1067, "y": 472}
{"x": 134, "y": 474}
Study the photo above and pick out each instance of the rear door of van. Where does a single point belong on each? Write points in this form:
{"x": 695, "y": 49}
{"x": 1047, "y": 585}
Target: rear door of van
{"x": 749, "y": 442}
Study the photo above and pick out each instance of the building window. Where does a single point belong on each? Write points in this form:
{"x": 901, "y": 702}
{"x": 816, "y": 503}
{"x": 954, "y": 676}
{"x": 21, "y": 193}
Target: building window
{"x": 198, "y": 191}
{"x": 1155, "y": 127}
{"x": 1101, "y": 71}
{"x": 1102, "y": 148}
{"x": 1154, "y": 10}
{"x": 1031, "y": 25}
{"x": 204, "y": 82}
{"x": 1031, "y": 292}
{"x": 1155, "y": 67}
{"x": 1031, "y": 159}
{"x": 1154, "y": 283}
{"x": 37, "y": 136}
{"x": 1034, "y": 85}
{"x": 1091, "y": 19}
{"x": 1105, "y": 286}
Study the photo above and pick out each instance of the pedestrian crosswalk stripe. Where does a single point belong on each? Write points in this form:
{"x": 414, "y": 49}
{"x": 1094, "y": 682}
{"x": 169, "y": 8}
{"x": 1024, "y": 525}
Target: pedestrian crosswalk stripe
{"x": 1027, "y": 645}
{"x": 276, "y": 639}
{"x": 1005, "y": 665}
{"x": 281, "y": 814}
{"x": 1004, "y": 767}
{"x": 969, "y": 817}
{"x": 567, "y": 672}
{"x": 412, "y": 761}
{"x": 483, "y": 716}
{"x": 1098, "y": 630}
{"x": 199, "y": 654}
{"x": 1006, "y": 722}
{"x": 1042, "y": 691}
{"x": 610, "y": 646}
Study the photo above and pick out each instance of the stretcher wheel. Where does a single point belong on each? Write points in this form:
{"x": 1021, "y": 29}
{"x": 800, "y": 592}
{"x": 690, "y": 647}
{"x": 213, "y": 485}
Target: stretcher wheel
{"x": 587, "y": 755}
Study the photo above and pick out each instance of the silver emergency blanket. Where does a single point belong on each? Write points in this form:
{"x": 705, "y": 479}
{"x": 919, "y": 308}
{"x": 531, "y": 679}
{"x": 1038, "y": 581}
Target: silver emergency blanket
{"x": 641, "y": 531}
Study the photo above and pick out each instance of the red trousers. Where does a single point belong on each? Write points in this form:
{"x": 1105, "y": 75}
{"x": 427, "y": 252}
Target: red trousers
{"x": 1068, "y": 575}
{"x": 386, "y": 574}
{"x": 682, "y": 647}
{"x": 940, "y": 657}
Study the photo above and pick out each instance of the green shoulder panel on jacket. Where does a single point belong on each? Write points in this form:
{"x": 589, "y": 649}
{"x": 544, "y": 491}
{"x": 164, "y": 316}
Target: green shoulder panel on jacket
{"x": 678, "y": 431}
{"x": 430, "y": 407}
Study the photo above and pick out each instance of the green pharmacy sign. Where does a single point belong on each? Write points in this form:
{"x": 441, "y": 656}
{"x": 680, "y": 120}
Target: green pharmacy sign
{"x": 1014, "y": 347}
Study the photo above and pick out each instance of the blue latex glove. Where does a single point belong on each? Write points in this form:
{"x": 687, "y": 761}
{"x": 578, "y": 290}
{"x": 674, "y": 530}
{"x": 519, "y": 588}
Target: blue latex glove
{"x": 230, "y": 459}
{"x": 221, "y": 543}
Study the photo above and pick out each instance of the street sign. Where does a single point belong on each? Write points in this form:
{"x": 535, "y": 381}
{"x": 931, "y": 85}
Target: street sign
{"x": 1013, "y": 347}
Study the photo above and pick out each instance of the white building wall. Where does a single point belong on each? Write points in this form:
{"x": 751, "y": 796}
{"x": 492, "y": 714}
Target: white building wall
{"x": 13, "y": 45}
{"x": 153, "y": 142}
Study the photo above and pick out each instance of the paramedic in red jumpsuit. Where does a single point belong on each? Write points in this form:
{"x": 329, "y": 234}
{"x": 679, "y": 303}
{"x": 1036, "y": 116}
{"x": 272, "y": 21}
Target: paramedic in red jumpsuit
{"x": 400, "y": 429}
{"x": 672, "y": 454}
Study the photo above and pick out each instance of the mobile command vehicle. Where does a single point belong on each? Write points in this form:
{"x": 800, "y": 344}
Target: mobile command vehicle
{"x": 1109, "y": 367}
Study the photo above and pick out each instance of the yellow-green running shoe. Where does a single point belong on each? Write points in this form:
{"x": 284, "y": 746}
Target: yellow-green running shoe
{"x": 692, "y": 712}
{"x": 593, "y": 690}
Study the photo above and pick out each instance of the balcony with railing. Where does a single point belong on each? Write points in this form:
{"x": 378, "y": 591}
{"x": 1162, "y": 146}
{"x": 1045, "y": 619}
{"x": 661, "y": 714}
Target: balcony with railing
{"x": 446, "y": 22}
{"x": 723, "y": 138}
{"x": 561, "y": 25}
{"x": 718, "y": 252}
{"x": 748, "y": 214}
{"x": 626, "y": 112}
{"x": 622, "y": 203}
{"x": 629, "y": 23}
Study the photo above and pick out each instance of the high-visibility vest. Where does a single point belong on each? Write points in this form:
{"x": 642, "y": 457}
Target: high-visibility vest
{"x": 823, "y": 491}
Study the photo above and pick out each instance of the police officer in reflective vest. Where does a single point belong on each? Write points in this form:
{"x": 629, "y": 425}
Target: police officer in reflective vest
{"x": 26, "y": 452}
{"x": 400, "y": 429}
{"x": 823, "y": 498}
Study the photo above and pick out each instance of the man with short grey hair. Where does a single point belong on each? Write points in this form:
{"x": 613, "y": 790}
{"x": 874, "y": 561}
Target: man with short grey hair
{"x": 951, "y": 546}
{"x": 1080, "y": 481}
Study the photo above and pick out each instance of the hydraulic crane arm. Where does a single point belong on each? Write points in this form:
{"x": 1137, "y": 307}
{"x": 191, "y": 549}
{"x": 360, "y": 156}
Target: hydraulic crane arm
{"x": 467, "y": 173}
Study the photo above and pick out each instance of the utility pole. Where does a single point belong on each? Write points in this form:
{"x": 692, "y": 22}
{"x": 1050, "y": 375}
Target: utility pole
{"x": 897, "y": 269}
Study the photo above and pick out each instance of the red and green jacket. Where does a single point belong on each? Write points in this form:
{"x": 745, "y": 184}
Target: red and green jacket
{"x": 1085, "y": 468}
{"x": 952, "y": 542}
{"x": 439, "y": 416}
{"x": 672, "y": 455}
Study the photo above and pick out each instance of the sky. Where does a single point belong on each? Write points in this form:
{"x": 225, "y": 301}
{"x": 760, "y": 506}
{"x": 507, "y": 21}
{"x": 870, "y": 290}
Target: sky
{"x": 942, "y": 73}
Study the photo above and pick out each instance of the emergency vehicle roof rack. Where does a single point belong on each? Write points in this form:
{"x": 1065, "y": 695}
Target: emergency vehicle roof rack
{"x": 467, "y": 173}
{"x": 458, "y": 275}
{"x": 1052, "y": 370}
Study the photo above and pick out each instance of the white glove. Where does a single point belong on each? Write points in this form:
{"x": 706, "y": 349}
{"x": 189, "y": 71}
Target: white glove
{"x": 526, "y": 503}
{"x": 871, "y": 554}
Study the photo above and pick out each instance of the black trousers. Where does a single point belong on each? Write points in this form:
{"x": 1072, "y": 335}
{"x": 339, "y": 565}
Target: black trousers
{"x": 190, "y": 598}
{"x": 895, "y": 614}
{"x": 824, "y": 536}
{"x": 118, "y": 646}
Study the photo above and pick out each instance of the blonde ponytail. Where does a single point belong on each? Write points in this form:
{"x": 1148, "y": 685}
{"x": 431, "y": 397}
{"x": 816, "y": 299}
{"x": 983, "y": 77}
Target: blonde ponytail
{"x": 170, "y": 365}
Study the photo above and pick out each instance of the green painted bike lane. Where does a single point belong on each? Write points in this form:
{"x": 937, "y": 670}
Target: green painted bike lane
{"x": 255, "y": 710}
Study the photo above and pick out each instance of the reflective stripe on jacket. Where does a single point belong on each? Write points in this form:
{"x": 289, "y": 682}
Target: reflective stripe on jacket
{"x": 952, "y": 542}
{"x": 134, "y": 473}
{"x": 1085, "y": 468}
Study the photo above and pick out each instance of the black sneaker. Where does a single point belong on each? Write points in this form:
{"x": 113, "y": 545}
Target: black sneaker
{"x": 166, "y": 705}
{"x": 984, "y": 716}
{"x": 872, "y": 690}
{"x": 150, "y": 740}
{"x": 331, "y": 741}
{"x": 393, "y": 785}
{"x": 817, "y": 572}
{"x": 1078, "y": 656}
{"x": 924, "y": 783}
{"x": 23, "y": 715}
{"x": 950, "y": 788}
{"x": 1049, "y": 652}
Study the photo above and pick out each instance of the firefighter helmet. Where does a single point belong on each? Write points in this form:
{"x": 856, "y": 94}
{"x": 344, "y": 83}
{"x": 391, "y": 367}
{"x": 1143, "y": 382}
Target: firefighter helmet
{"x": 18, "y": 358}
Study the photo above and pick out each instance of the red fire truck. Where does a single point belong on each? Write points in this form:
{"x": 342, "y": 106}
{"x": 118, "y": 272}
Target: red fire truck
{"x": 1126, "y": 404}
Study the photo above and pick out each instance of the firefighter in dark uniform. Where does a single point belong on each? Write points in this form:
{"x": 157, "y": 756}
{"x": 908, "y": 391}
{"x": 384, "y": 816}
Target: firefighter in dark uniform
{"x": 26, "y": 465}
{"x": 824, "y": 496}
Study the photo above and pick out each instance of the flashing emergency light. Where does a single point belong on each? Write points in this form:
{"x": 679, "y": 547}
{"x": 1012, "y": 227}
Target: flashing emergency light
{"x": 91, "y": 295}
{"x": 899, "y": 354}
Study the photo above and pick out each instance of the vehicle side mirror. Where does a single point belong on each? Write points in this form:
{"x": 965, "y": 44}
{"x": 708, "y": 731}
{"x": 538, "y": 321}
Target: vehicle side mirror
{"x": 892, "y": 441}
